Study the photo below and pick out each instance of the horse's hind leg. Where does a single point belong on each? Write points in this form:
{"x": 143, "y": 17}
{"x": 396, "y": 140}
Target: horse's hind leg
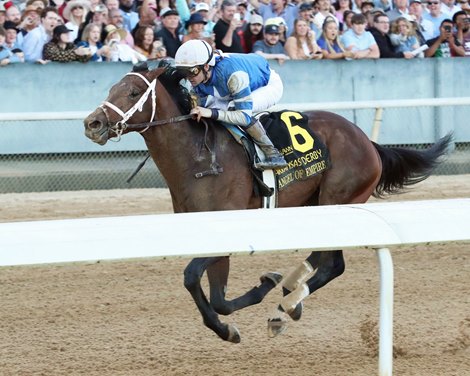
{"x": 329, "y": 265}
{"x": 192, "y": 281}
{"x": 217, "y": 274}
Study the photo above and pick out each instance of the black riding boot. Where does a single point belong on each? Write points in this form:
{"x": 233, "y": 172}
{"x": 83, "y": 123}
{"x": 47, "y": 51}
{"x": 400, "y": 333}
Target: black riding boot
{"x": 274, "y": 158}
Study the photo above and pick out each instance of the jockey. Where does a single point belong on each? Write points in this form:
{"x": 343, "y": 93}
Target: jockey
{"x": 234, "y": 86}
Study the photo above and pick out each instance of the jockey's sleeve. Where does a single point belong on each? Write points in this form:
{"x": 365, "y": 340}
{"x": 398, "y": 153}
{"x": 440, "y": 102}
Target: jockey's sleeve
{"x": 238, "y": 86}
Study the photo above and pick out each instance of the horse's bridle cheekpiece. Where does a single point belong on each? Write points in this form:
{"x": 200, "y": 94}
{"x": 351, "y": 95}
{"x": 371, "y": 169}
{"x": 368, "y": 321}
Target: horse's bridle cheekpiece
{"x": 120, "y": 126}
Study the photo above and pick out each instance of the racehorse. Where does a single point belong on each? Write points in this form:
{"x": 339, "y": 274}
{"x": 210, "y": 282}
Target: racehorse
{"x": 206, "y": 169}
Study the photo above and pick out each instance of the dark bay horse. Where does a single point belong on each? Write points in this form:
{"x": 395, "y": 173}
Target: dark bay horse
{"x": 182, "y": 147}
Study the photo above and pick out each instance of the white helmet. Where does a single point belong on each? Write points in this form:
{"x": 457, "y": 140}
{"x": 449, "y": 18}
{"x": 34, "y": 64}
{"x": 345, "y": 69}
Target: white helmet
{"x": 194, "y": 53}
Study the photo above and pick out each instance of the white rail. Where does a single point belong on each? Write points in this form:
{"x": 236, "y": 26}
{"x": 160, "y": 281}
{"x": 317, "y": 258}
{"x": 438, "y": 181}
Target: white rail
{"x": 327, "y": 106}
{"x": 228, "y": 232}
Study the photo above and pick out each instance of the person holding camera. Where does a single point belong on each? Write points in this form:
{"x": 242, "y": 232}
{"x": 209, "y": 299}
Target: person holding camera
{"x": 444, "y": 45}
{"x": 462, "y": 23}
{"x": 228, "y": 27}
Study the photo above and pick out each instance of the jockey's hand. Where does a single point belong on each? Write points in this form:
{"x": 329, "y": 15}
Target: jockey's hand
{"x": 199, "y": 112}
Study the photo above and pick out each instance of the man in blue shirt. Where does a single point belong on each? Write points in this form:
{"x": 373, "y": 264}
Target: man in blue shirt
{"x": 233, "y": 85}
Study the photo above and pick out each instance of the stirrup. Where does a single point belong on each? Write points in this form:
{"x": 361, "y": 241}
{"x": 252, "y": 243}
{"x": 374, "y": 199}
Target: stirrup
{"x": 272, "y": 162}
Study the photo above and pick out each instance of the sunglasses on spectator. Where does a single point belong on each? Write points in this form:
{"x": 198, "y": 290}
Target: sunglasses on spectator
{"x": 190, "y": 72}
{"x": 77, "y": 7}
{"x": 433, "y": 2}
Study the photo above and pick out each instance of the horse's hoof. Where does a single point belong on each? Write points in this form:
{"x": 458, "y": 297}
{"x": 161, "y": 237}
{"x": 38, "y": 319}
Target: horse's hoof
{"x": 276, "y": 326}
{"x": 233, "y": 334}
{"x": 274, "y": 277}
{"x": 296, "y": 313}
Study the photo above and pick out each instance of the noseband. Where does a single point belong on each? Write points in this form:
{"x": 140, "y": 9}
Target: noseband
{"x": 120, "y": 126}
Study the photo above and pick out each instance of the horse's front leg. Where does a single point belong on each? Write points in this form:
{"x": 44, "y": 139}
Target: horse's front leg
{"x": 218, "y": 279}
{"x": 192, "y": 281}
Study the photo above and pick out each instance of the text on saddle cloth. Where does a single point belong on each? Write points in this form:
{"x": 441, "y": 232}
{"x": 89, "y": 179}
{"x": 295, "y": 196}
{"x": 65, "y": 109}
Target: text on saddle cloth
{"x": 305, "y": 153}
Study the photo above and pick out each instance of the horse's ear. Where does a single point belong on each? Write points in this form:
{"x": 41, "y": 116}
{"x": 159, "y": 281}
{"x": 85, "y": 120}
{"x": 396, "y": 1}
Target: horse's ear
{"x": 140, "y": 67}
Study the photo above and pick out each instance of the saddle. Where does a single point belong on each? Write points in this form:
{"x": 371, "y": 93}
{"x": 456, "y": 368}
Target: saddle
{"x": 305, "y": 153}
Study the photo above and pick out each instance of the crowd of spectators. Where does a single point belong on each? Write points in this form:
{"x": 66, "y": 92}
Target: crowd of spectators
{"x": 40, "y": 31}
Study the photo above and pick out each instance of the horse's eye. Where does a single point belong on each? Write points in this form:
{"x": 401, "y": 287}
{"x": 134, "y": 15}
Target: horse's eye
{"x": 134, "y": 93}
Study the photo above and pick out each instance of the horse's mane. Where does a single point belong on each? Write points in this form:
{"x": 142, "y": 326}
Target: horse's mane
{"x": 171, "y": 80}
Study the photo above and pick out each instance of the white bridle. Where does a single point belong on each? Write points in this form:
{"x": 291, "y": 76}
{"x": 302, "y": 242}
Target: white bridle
{"x": 121, "y": 125}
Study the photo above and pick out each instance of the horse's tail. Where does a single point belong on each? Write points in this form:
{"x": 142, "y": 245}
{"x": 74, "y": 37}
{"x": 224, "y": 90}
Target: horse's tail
{"x": 403, "y": 167}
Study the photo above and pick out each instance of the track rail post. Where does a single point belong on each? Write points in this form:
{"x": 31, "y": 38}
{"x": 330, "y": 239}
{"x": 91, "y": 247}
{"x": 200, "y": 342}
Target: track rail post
{"x": 386, "y": 312}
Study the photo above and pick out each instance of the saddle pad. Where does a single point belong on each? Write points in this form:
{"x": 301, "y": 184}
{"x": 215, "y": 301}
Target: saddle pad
{"x": 305, "y": 153}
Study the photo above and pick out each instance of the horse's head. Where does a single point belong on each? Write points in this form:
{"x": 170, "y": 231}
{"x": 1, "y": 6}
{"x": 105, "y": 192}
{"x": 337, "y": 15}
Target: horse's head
{"x": 131, "y": 101}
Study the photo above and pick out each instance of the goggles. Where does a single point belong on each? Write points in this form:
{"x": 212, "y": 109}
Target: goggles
{"x": 190, "y": 72}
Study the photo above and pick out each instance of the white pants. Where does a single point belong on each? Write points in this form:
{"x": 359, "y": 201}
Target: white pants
{"x": 263, "y": 97}
{"x": 269, "y": 95}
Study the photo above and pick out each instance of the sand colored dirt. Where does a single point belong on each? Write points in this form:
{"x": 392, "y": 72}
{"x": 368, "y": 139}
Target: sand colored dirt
{"x": 136, "y": 318}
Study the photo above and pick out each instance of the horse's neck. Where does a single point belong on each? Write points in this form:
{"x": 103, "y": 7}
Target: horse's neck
{"x": 173, "y": 146}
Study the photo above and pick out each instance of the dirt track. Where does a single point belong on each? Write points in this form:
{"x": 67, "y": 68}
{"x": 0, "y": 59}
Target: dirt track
{"x": 135, "y": 318}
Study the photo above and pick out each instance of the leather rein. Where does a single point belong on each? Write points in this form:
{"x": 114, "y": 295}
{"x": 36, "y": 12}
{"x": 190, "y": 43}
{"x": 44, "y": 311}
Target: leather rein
{"x": 120, "y": 126}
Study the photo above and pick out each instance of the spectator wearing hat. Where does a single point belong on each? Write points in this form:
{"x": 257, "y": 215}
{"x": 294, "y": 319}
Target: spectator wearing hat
{"x": 61, "y": 49}
{"x": 120, "y": 51}
{"x": 302, "y": 44}
{"x": 11, "y": 34}
{"x": 278, "y": 8}
{"x": 208, "y": 14}
{"x": 169, "y": 33}
{"x": 270, "y": 47}
{"x": 75, "y": 13}
{"x": 195, "y": 29}
{"x": 35, "y": 40}
{"x": 116, "y": 19}
{"x": 12, "y": 13}
{"x": 281, "y": 23}
{"x": 8, "y": 55}
{"x": 424, "y": 28}
{"x": 29, "y": 20}
{"x": 253, "y": 33}
{"x": 146, "y": 44}
{"x": 91, "y": 38}
{"x": 367, "y": 6}
{"x": 360, "y": 41}
{"x": 380, "y": 32}
{"x": 226, "y": 29}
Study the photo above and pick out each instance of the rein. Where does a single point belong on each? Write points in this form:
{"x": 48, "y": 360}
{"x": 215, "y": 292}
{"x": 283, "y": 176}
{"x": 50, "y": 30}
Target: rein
{"x": 175, "y": 119}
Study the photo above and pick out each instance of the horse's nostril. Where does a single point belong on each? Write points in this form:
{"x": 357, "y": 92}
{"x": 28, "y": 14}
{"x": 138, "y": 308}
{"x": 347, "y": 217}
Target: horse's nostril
{"x": 95, "y": 124}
